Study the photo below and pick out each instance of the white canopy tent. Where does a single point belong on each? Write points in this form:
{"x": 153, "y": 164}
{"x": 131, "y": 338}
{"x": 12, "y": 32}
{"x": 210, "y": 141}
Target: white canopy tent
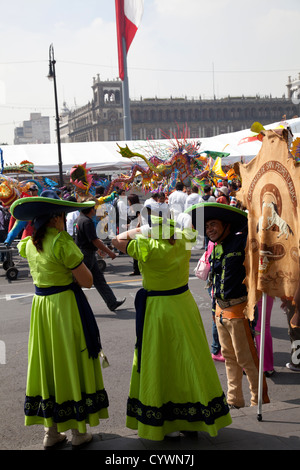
{"x": 103, "y": 157}
{"x": 233, "y": 143}
{"x": 99, "y": 156}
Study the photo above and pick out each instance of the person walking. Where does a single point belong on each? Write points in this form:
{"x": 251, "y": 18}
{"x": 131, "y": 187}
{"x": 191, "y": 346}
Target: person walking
{"x": 223, "y": 197}
{"x": 174, "y": 383}
{"x": 226, "y": 227}
{"x": 64, "y": 387}
{"x": 149, "y": 208}
{"x": 71, "y": 218}
{"x": 207, "y": 196}
{"x": 87, "y": 240}
{"x": 177, "y": 200}
{"x": 4, "y": 222}
{"x": 193, "y": 198}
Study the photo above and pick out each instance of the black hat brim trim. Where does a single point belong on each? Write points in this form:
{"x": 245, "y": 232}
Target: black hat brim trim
{"x": 224, "y": 212}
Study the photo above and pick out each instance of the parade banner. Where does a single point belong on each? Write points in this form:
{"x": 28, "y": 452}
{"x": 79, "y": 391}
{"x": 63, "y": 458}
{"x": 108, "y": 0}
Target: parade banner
{"x": 270, "y": 192}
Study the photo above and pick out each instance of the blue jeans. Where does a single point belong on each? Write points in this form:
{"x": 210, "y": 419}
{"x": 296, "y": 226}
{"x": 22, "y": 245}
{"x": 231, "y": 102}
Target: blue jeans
{"x": 215, "y": 346}
{"x": 99, "y": 280}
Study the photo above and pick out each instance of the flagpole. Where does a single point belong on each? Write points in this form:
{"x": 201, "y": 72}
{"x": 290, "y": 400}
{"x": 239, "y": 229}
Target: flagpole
{"x": 126, "y": 102}
{"x": 261, "y": 355}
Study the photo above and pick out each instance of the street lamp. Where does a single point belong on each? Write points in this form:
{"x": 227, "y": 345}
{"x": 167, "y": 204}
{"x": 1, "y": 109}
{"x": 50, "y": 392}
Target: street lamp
{"x": 52, "y": 76}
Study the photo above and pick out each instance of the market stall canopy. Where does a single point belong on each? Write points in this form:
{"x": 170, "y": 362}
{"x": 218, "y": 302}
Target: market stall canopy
{"x": 104, "y": 156}
{"x": 242, "y": 144}
{"x": 99, "y": 156}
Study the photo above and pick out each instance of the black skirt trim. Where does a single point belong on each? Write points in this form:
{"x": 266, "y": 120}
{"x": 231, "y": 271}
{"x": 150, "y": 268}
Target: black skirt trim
{"x": 191, "y": 412}
{"x": 60, "y": 413}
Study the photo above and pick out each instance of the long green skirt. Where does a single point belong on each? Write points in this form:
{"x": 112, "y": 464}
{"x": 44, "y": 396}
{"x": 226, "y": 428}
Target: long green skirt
{"x": 64, "y": 385}
{"x": 177, "y": 388}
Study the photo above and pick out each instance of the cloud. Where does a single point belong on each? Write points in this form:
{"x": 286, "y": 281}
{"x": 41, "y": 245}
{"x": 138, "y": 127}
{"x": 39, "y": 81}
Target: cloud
{"x": 177, "y": 47}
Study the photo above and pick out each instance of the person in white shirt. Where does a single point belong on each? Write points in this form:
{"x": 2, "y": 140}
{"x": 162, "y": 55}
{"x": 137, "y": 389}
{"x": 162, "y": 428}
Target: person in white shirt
{"x": 122, "y": 211}
{"x": 71, "y": 218}
{"x": 163, "y": 207}
{"x": 177, "y": 200}
{"x": 193, "y": 198}
{"x": 150, "y": 207}
{"x": 184, "y": 221}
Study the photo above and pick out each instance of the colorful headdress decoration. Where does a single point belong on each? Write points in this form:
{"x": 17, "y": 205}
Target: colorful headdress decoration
{"x": 81, "y": 178}
{"x": 295, "y": 150}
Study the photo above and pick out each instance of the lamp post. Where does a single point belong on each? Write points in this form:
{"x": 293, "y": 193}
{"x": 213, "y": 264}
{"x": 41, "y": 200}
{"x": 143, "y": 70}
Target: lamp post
{"x": 52, "y": 76}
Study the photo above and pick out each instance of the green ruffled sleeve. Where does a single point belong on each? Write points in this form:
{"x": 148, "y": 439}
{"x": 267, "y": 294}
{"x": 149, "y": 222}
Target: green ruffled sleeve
{"x": 22, "y": 246}
{"x": 66, "y": 250}
{"x": 139, "y": 248}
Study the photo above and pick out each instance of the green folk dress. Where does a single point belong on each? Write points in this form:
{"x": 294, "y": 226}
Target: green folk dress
{"x": 177, "y": 387}
{"x": 64, "y": 385}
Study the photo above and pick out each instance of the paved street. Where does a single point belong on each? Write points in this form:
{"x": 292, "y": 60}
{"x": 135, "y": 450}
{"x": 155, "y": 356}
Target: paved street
{"x": 118, "y": 338}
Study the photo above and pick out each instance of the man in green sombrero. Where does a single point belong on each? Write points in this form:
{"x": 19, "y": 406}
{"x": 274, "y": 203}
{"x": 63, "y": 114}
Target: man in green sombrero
{"x": 226, "y": 227}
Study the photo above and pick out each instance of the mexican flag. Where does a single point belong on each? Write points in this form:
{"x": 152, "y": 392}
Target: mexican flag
{"x": 128, "y": 18}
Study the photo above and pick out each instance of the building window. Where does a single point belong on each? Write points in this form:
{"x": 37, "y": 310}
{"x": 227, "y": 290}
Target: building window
{"x": 112, "y": 135}
{"x": 152, "y": 115}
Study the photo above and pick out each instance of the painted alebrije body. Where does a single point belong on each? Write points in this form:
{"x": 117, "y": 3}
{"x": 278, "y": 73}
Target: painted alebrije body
{"x": 187, "y": 166}
{"x": 24, "y": 167}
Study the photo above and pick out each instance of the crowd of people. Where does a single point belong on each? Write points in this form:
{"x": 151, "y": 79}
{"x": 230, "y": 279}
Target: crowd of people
{"x": 173, "y": 367}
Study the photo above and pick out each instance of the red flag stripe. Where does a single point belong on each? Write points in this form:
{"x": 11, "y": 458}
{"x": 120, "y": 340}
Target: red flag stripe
{"x": 128, "y": 17}
{"x": 130, "y": 31}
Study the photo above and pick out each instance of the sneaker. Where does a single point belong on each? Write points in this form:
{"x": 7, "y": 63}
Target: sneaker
{"x": 52, "y": 438}
{"x": 80, "y": 440}
{"x": 218, "y": 357}
{"x": 118, "y": 304}
{"x": 291, "y": 366}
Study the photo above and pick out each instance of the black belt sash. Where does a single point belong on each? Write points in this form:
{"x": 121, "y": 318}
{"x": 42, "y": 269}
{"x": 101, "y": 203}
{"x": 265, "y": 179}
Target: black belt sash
{"x": 89, "y": 324}
{"x": 140, "y": 307}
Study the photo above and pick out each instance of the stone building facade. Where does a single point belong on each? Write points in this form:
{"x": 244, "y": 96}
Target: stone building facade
{"x": 293, "y": 87}
{"x": 153, "y": 118}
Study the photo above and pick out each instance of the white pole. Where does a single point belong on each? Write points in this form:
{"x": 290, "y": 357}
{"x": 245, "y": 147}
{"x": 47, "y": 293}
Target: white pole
{"x": 126, "y": 101}
{"x": 261, "y": 355}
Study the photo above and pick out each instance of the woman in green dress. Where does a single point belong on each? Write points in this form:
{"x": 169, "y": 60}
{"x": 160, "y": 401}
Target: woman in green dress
{"x": 174, "y": 383}
{"x": 64, "y": 381}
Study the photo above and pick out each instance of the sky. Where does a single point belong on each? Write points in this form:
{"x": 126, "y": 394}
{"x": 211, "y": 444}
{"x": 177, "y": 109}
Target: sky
{"x": 183, "y": 48}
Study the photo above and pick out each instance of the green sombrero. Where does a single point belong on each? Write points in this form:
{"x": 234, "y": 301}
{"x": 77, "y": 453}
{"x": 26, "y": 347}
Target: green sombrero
{"x": 205, "y": 211}
{"x": 41, "y": 208}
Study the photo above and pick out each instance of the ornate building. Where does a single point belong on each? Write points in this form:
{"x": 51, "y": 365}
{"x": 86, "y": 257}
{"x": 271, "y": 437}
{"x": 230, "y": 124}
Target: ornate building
{"x": 153, "y": 118}
{"x": 293, "y": 87}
